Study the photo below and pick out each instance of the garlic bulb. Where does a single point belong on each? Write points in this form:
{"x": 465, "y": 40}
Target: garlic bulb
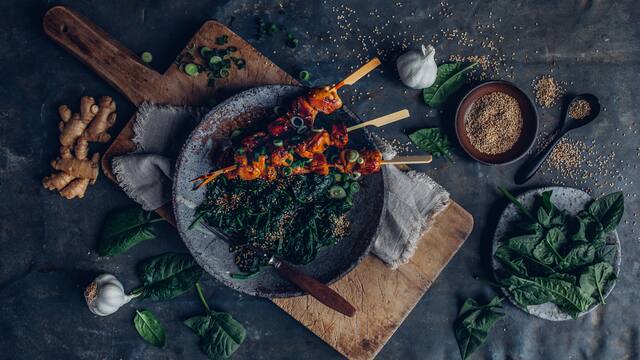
{"x": 105, "y": 295}
{"x": 417, "y": 68}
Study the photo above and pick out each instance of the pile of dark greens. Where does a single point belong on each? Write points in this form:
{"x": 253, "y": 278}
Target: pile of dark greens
{"x": 552, "y": 256}
{"x": 290, "y": 217}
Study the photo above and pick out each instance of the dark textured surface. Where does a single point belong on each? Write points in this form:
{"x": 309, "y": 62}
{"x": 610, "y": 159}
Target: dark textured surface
{"x": 47, "y": 243}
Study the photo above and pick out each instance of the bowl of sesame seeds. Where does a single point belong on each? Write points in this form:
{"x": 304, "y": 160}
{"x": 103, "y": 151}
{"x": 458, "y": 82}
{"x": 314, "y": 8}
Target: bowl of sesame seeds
{"x": 496, "y": 123}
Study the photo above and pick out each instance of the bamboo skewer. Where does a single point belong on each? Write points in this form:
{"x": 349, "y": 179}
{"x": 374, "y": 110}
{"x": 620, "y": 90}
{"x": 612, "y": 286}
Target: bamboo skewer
{"x": 383, "y": 120}
{"x": 359, "y": 74}
{"x": 419, "y": 159}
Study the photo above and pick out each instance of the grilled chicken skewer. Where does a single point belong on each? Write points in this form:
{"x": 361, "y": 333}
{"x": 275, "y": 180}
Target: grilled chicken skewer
{"x": 281, "y": 157}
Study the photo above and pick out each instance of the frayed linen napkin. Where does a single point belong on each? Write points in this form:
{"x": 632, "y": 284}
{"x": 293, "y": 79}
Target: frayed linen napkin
{"x": 413, "y": 199}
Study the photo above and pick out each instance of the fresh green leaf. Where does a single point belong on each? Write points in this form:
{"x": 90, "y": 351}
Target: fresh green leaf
{"x": 125, "y": 229}
{"x": 581, "y": 255}
{"x": 220, "y": 334}
{"x": 474, "y": 323}
{"x": 593, "y": 231}
{"x": 449, "y": 79}
{"x": 149, "y": 328}
{"x": 510, "y": 259}
{"x": 544, "y": 217}
{"x": 606, "y": 252}
{"x": 546, "y": 201}
{"x": 538, "y": 290}
{"x": 517, "y": 203}
{"x": 548, "y": 250}
{"x": 168, "y": 275}
{"x": 608, "y": 210}
{"x": 595, "y": 278}
{"x": 433, "y": 141}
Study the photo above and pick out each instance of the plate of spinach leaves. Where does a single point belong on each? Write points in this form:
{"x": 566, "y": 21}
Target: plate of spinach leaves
{"x": 556, "y": 254}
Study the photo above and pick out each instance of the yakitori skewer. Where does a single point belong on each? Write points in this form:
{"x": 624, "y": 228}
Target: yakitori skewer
{"x": 381, "y": 121}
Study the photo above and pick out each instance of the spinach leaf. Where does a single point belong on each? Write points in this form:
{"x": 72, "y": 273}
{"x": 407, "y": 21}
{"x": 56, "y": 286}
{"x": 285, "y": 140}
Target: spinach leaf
{"x": 593, "y": 230}
{"x": 148, "y": 326}
{"x": 608, "y": 210}
{"x": 433, "y": 141}
{"x": 578, "y": 256}
{"x": 168, "y": 275}
{"x": 548, "y": 250}
{"x": 474, "y": 323}
{"x": 449, "y": 79}
{"x": 220, "y": 334}
{"x": 125, "y": 229}
{"x": 517, "y": 203}
{"x": 595, "y": 279}
{"x": 539, "y": 290}
{"x": 510, "y": 259}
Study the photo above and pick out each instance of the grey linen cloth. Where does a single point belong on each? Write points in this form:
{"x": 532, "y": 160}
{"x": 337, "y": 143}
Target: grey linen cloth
{"x": 413, "y": 199}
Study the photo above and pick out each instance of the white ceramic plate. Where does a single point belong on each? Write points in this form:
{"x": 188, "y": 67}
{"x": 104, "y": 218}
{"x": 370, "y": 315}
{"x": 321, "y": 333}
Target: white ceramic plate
{"x": 565, "y": 198}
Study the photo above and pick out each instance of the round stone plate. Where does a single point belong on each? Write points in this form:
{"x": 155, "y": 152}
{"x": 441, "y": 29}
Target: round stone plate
{"x": 565, "y": 198}
{"x": 211, "y": 250}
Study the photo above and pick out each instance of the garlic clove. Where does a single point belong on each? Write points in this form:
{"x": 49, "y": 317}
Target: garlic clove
{"x": 105, "y": 295}
{"x": 417, "y": 68}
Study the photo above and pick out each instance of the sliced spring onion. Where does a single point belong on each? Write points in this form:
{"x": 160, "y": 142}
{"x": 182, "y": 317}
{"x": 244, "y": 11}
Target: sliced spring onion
{"x": 224, "y": 73}
{"x": 360, "y": 160}
{"x": 240, "y": 63}
{"x": 304, "y": 75}
{"x": 235, "y": 133}
{"x": 222, "y": 39}
{"x": 273, "y": 29}
{"x": 355, "y": 175}
{"x": 240, "y": 151}
{"x": 337, "y": 177}
{"x": 287, "y": 171}
{"x": 146, "y": 57}
{"x": 215, "y": 59}
{"x": 278, "y": 142}
{"x": 352, "y": 156}
{"x": 295, "y": 139}
{"x": 337, "y": 192}
{"x": 354, "y": 187}
{"x": 296, "y": 121}
{"x": 277, "y": 110}
{"x": 205, "y": 52}
{"x": 314, "y": 129}
{"x": 301, "y": 129}
{"x": 191, "y": 69}
{"x": 307, "y": 161}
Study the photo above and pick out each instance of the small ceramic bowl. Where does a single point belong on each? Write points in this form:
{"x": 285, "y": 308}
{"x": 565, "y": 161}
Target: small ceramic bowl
{"x": 529, "y": 126}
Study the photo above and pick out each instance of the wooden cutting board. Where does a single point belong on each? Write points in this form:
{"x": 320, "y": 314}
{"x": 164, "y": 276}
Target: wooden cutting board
{"x": 383, "y": 297}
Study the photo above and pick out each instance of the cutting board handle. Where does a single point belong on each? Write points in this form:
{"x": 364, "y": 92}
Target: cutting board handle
{"x": 110, "y": 59}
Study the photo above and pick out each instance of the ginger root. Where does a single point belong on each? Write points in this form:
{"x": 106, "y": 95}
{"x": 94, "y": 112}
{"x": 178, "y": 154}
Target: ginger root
{"x": 75, "y": 170}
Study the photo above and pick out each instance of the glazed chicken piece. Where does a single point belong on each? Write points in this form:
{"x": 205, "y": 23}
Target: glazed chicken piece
{"x": 303, "y": 108}
{"x": 316, "y": 144}
{"x": 372, "y": 161}
{"x": 251, "y": 142}
{"x": 279, "y": 127}
{"x": 339, "y": 136}
{"x": 280, "y": 156}
{"x": 324, "y": 99}
{"x": 319, "y": 165}
{"x": 247, "y": 170}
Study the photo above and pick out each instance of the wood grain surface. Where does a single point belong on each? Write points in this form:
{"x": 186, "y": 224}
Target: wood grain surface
{"x": 383, "y": 297}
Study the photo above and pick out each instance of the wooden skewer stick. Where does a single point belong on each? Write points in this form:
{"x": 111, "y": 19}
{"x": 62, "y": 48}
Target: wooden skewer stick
{"x": 421, "y": 159}
{"x": 358, "y": 74}
{"x": 383, "y": 120}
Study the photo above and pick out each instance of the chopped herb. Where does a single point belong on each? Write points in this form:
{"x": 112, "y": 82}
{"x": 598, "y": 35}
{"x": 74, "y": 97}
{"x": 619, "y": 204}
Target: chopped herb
{"x": 191, "y": 69}
{"x": 222, "y": 40}
{"x": 146, "y": 57}
{"x": 304, "y": 75}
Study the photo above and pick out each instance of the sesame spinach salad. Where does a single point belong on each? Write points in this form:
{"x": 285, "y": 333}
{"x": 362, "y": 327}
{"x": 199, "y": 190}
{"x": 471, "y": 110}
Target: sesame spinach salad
{"x": 291, "y": 217}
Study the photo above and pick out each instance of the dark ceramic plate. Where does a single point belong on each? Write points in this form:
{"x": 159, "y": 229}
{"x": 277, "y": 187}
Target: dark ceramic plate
{"x": 529, "y": 126}
{"x": 212, "y": 252}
